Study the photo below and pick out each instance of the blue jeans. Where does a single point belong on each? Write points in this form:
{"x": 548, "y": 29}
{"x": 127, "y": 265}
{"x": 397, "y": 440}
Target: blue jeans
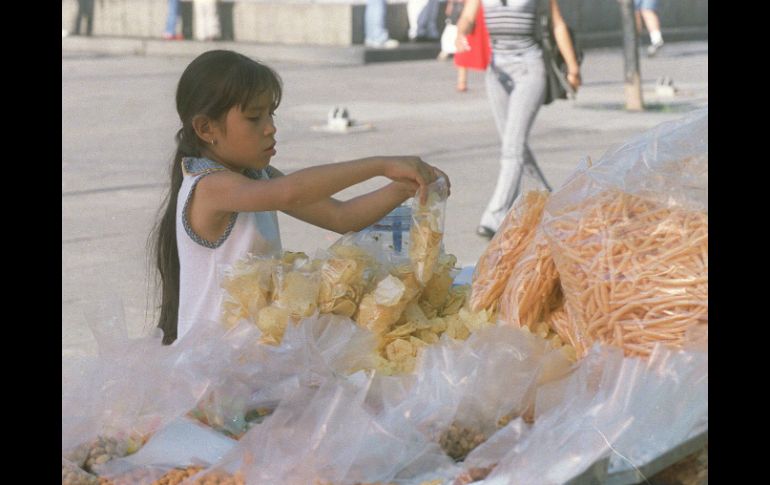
{"x": 173, "y": 13}
{"x": 374, "y": 21}
{"x": 514, "y": 115}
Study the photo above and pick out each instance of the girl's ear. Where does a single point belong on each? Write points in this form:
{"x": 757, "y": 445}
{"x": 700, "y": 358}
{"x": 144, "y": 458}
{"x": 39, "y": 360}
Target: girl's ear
{"x": 205, "y": 128}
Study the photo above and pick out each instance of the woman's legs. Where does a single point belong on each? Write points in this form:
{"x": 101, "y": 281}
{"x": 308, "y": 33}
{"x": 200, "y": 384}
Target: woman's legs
{"x": 462, "y": 78}
{"x": 514, "y": 115}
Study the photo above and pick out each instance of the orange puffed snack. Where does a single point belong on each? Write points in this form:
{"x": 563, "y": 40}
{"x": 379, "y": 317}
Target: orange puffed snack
{"x": 633, "y": 269}
{"x": 505, "y": 249}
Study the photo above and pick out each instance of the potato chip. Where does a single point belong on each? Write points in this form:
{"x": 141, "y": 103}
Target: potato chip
{"x": 405, "y": 273}
{"x": 247, "y": 288}
{"x": 413, "y": 313}
{"x": 427, "y": 336}
{"x": 342, "y": 283}
{"x": 299, "y": 293}
{"x": 398, "y": 350}
{"x": 438, "y": 325}
{"x": 272, "y": 321}
{"x": 456, "y": 328}
{"x": 294, "y": 259}
{"x": 458, "y": 296}
{"x": 436, "y": 290}
{"x": 402, "y": 330}
{"x": 344, "y": 307}
{"x": 427, "y": 309}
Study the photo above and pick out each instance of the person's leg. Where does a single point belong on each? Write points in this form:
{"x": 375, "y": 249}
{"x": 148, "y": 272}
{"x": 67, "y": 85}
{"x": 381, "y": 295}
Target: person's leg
{"x": 76, "y": 25}
{"x": 414, "y": 9}
{"x": 523, "y": 105}
{"x": 429, "y": 19}
{"x": 212, "y": 17}
{"x": 653, "y": 25}
{"x": 374, "y": 22}
{"x": 199, "y": 22}
{"x": 173, "y": 14}
{"x": 532, "y": 169}
{"x": 462, "y": 79}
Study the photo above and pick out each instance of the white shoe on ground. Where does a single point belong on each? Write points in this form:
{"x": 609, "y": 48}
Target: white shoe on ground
{"x": 654, "y": 48}
{"x": 387, "y": 44}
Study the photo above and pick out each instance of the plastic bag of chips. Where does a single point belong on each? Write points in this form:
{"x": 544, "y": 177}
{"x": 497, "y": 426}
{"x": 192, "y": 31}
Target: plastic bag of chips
{"x": 427, "y": 230}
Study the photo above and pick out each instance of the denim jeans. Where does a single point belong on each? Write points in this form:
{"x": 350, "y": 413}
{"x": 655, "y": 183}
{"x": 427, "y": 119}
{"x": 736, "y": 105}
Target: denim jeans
{"x": 173, "y": 14}
{"x": 374, "y": 21}
{"x": 514, "y": 115}
{"x": 422, "y": 16}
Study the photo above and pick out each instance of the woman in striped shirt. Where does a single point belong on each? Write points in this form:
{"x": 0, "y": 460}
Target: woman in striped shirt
{"x": 516, "y": 52}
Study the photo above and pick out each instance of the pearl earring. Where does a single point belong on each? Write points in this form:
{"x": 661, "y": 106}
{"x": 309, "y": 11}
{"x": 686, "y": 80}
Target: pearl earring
{"x": 213, "y": 142}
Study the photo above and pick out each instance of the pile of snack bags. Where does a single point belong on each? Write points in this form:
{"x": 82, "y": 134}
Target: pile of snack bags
{"x": 582, "y": 336}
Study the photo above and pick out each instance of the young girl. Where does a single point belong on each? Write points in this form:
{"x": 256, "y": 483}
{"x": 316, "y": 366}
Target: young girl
{"x": 224, "y": 193}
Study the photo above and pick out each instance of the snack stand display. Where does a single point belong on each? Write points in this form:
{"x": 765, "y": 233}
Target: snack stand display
{"x": 574, "y": 351}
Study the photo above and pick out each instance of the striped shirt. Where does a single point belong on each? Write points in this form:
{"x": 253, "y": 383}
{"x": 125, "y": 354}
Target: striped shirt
{"x": 512, "y": 27}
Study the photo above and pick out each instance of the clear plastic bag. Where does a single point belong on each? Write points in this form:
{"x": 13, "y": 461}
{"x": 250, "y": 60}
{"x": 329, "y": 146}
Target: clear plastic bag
{"x": 465, "y": 391}
{"x": 427, "y": 230}
{"x": 629, "y": 409}
{"x": 533, "y": 290}
{"x": 495, "y": 265}
{"x": 135, "y": 386}
{"x": 629, "y": 236}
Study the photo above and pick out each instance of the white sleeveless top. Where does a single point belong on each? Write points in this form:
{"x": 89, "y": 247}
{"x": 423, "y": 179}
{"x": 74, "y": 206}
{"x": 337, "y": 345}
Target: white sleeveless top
{"x": 201, "y": 262}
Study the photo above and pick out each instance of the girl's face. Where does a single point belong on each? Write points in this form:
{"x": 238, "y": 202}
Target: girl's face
{"x": 246, "y": 139}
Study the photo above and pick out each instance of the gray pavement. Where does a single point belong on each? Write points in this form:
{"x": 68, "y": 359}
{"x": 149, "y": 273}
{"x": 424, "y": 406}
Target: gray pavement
{"x": 118, "y": 122}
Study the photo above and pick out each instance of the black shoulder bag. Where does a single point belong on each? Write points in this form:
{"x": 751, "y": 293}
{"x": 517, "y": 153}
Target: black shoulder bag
{"x": 556, "y": 84}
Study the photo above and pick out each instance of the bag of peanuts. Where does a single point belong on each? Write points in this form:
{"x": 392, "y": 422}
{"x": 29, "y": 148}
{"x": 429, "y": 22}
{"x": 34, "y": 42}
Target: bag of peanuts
{"x": 315, "y": 436}
{"x": 631, "y": 410}
{"x": 629, "y": 237}
{"x": 465, "y": 391}
{"x": 134, "y": 386}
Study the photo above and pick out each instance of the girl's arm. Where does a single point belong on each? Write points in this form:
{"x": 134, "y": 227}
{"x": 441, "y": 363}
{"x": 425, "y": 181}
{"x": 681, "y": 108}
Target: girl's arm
{"x": 357, "y": 213}
{"x": 564, "y": 43}
{"x": 226, "y": 192}
{"x": 465, "y": 24}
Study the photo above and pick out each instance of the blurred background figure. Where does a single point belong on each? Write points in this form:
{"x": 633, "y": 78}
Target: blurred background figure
{"x": 423, "y": 17}
{"x": 206, "y": 20}
{"x": 479, "y": 49}
{"x": 449, "y": 34}
{"x": 85, "y": 13}
{"x": 515, "y": 83}
{"x": 375, "y": 33}
{"x": 171, "y": 20}
{"x": 647, "y": 10}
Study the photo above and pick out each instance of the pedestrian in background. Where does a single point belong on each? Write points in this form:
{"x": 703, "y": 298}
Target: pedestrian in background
{"x": 647, "y": 10}
{"x": 375, "y": 31}
{"x": 85, "y": 13}
{"x": 517, "y": 60}
{"x": 206, "y": 20}
{"x": 171, "y": 20}
{"x": 479, "y": 50}
{"x": 423, "y": 20}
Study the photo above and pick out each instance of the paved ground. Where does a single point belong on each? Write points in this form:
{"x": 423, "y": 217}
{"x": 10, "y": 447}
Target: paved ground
{"x": 118, "y": 122}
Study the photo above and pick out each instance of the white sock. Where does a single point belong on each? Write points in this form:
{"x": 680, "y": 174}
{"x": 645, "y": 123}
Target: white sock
{"x": 656, "y": 37}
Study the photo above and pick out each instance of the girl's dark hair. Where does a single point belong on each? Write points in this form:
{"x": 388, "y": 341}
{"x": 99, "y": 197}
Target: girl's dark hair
{"x": 212, "y": 84}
